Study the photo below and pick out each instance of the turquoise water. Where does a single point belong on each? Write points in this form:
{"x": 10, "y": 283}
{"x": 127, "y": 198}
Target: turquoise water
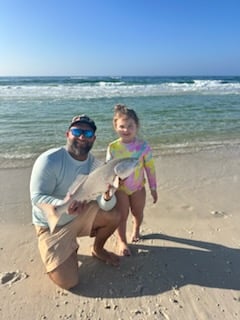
{"x": 177, "y": 114}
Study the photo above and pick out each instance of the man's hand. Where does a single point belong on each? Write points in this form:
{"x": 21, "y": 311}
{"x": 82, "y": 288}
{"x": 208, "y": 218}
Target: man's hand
{"x": 76, "y": 207}
{"x": 109, "y": 193}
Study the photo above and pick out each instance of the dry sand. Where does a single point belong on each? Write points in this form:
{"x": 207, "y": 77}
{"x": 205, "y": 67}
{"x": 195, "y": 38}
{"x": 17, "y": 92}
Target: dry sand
{"x": 187, "y": 266}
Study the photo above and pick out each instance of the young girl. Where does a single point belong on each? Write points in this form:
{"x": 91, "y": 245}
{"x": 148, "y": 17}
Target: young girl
{"x": 131, "y": 193}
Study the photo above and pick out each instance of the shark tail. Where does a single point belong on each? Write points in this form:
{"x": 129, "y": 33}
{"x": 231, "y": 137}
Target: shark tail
{"x": 51, "y": 214}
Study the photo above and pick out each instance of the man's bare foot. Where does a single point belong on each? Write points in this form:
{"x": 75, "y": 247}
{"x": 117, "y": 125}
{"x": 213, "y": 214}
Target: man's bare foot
{"x": 107, "y": 257}
{"x": 124, "y": 250}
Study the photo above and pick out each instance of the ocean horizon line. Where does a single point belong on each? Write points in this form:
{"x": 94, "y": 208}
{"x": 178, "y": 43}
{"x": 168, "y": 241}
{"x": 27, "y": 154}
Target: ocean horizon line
{"x": 117, "y": 75}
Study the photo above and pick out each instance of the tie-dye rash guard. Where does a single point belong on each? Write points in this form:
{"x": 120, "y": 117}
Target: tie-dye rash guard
{"x": 137, "y": 149}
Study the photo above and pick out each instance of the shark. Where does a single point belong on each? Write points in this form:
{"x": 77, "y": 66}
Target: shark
{"x": 88, "y": 187}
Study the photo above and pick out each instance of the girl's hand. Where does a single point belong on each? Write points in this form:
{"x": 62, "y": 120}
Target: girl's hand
{"x": 154, "y": 195}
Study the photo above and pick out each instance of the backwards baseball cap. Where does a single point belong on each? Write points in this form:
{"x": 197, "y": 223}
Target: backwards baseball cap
{"x": 83, "y": 119}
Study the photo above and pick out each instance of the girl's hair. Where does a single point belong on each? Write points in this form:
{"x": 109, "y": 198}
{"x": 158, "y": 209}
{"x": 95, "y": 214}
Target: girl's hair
{"x": 120, "y": 111}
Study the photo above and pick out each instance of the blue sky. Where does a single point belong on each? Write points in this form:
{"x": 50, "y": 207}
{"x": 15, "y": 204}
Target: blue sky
{"x": 119, "y": 37}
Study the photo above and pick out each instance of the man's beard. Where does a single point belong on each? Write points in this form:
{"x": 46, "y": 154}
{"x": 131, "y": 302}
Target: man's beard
{"x": 79, "y": 150}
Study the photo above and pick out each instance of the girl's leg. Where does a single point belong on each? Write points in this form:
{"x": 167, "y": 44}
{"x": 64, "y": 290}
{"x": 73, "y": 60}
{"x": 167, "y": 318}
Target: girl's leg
{"x": 137, "y": 204}
{"x": 123, "y": 207}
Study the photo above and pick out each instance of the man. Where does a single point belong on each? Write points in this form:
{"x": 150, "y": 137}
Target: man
{"x": 53, "y": 173}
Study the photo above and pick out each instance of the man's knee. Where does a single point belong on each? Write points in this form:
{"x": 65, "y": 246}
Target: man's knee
{"x": 103, "y": 218}
{"x": 64, "y": 282}
{"x": 66, "y": 275}
{"x": 114, "y": 216}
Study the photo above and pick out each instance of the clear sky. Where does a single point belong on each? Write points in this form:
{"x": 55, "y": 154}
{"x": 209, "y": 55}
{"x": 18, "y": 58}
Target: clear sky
{"x": 119, "y": 37}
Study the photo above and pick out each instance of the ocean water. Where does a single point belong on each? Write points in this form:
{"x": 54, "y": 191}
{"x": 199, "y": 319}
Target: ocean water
{"x": 177, "y": 114}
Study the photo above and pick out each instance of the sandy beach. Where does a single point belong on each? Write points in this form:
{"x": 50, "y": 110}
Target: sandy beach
{"x": 185, "y": 267}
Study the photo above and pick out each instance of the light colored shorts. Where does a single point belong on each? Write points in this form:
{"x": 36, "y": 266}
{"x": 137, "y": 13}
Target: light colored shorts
{"x": 55, "y": 248}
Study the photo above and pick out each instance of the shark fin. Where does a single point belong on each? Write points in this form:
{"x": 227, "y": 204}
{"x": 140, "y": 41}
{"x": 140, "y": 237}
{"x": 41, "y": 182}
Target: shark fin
{"x": 115, "y": 183}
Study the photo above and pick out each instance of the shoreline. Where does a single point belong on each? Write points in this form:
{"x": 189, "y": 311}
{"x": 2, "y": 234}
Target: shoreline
{"x": 158, "y": 152}
{"x": 185, "y": 267}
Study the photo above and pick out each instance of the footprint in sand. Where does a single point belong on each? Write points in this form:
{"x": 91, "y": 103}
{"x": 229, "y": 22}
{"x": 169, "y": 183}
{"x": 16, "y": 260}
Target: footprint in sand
{"x": 218, "y": 214}
{"x": 187, "y": 207}
{"x": 8, "y": 278}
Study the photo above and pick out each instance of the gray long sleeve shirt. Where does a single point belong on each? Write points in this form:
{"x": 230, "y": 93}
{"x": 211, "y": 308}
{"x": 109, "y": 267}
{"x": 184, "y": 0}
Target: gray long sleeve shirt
{"x": 53, "y": 173}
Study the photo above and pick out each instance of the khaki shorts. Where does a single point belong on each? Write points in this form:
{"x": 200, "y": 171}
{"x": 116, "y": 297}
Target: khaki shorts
{"x": 55, "y": 248}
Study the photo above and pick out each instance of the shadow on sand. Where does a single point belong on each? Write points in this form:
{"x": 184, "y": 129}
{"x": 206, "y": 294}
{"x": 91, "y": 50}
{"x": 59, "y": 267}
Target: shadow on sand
{"x": 154, "y": 269}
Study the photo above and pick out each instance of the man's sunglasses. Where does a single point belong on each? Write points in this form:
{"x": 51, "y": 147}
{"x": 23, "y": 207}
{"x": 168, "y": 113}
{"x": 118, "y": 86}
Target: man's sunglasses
{"x": 76, "y": 132}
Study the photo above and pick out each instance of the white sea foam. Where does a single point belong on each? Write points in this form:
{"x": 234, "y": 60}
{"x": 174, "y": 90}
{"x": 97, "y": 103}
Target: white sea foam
{"x": 104, "y": 89}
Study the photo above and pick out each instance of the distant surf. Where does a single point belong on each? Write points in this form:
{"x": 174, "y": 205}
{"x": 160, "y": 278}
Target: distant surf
{"x": 177, "y": 114}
